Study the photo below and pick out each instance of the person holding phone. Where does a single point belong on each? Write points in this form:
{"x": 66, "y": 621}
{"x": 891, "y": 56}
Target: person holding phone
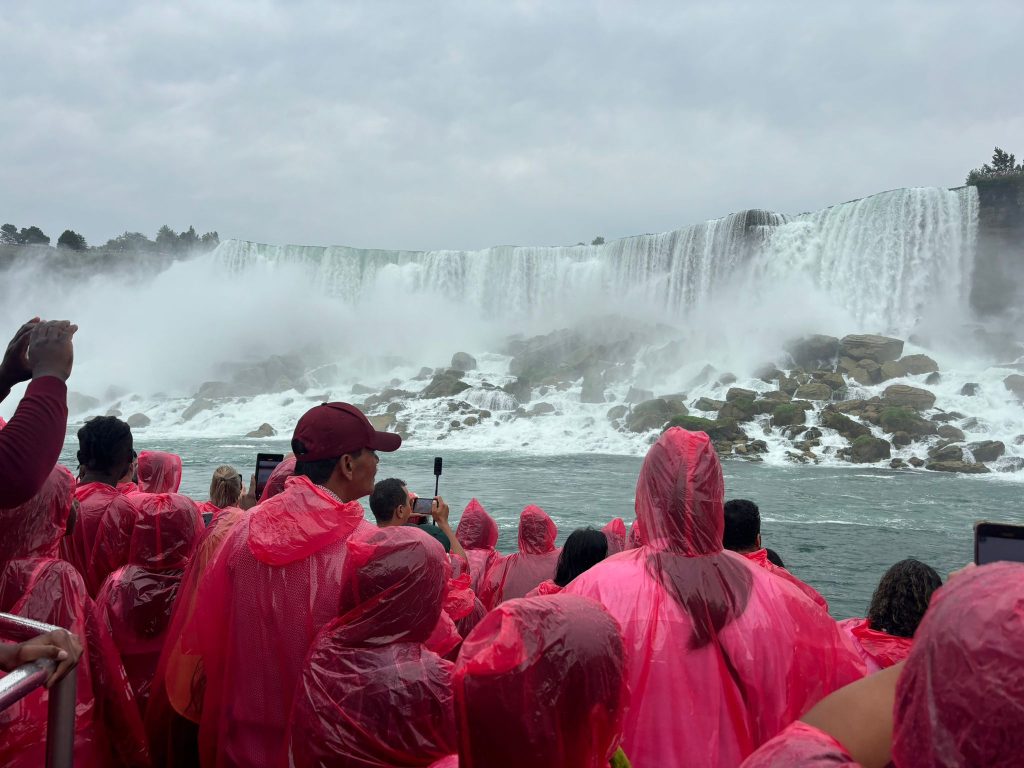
{"x": 392, "y": 504}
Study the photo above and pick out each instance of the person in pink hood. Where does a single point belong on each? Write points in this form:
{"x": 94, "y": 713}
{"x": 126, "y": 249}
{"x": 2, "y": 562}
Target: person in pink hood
{"x": 136, "y": 601}
{"x": 276, "y": 582}
{"x": 478, "y": 534}
{"x": 957, "y": 700}
{"x": 615, "y": 532}
{"x": 372, "y": 693}
{"x": 722, "y": 655}
{"x": 159, "y": 472}
{"x": 519, "y": 573}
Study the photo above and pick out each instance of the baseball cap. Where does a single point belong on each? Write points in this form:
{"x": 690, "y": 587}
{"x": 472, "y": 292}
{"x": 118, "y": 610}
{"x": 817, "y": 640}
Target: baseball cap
{"x": 334, "y": 429}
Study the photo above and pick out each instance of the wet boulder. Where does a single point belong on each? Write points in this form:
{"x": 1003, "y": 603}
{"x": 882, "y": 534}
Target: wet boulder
{"x": 867, "y": 346}
{"x": 987, "y": 450}
{"x": 813, "y": 351}
{"x": 844, "y": 425}
{"x": 897, "y": 395}
{"x": 463, "y": 361}
{"x": 970, "y": 389}
{"x": 1015, "y": 383}
{"x": 445, "y": 384}
{"x": 138, "y": 421}
{"x": 263, "y": 430}
{"x": 867, "y": 449}
{"x": 815, "y": 390}
{"x": 653, "y": 414}
{"x": 788, "y": 414}
{"x": 957, "y": 466}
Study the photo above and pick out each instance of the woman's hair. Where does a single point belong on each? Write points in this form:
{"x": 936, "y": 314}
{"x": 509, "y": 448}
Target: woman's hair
{"x": 105, "y": 445}
{"x": 226, "y": 487}
{"x": 902, "y": 597}
{"x": 585, "y": 548}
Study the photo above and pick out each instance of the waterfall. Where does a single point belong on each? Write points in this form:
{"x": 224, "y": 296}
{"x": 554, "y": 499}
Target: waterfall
{"x": 886, "y": 260}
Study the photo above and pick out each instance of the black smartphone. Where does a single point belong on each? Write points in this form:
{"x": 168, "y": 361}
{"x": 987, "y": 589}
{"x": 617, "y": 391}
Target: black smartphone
{"x": 265, "y": 464}
{"x": 422, "y": 507}
{"x": 998, "y": 541}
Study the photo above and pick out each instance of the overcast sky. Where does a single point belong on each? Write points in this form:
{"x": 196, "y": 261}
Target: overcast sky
{"x": 462, "y": 125}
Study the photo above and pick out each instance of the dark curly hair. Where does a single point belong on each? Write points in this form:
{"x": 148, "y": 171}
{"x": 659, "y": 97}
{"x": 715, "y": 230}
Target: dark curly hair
{"x": 902, "y": 597}
{"x": 105, "y": 445}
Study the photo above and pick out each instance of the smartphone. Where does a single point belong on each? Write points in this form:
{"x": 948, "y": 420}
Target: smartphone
{"x": 998, "y": 541}
{"x": 422, "y": 508}
{"x": 265, "y": 464}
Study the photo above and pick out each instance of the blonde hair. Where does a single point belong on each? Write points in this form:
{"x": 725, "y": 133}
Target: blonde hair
{"x": 226, "y": 487}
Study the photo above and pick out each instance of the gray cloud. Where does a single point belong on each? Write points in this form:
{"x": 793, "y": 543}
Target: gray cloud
{"x": 461, "y": 125}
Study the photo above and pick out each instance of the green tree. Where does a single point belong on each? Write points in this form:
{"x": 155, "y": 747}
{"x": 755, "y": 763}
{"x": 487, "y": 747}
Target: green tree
{"x": 1003, "y": 164}
{"x": 597, "y": 241}
{"x": 33, "y": 236}
{"x": 130, "y": 242}
{"x": 210, "y": 240}
{"x": 9, "y": 234}
{"x": 72, "y": 240}
{"x": 188, "y": 240}
{"x": 166, "y": 239}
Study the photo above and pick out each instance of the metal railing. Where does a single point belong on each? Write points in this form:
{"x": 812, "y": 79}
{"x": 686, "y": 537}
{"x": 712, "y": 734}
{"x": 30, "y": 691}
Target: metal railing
{"x": 16, "y": 685}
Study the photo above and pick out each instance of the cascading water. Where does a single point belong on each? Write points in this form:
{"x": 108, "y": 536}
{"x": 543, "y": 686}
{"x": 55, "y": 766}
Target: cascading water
{"x": 726, "y": 292}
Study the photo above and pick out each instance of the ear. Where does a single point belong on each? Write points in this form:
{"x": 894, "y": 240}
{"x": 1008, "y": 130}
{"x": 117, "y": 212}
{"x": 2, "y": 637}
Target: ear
{"x": 345, "y": 466}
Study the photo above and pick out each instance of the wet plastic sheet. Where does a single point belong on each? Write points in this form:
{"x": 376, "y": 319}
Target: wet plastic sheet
{"x": 634, "y": 539}
{"x": 801, "y": 746}
{"x": 960, "y": 697}
{"x": 541, "y": 682}
{"x": 35, "y": 584}
{"x": 159, "y": 472}
{"x": 879, "y": 650}
{"x": 547, "y": 587}
{"x": 136, "y": 601}
{"x": 275, "y": 583}
{"x": 275, "y": 483}
{"x": 371, "y": 694}
{"x": 615, "y": 532}
{"x": 514, "y": 576}
{"x": 760, "y": 558}
{"x": 478, "y": 534}
{"x": 699, "y": 619}
{"x": 101, "y": 539}
{"x": 175, "y": 705}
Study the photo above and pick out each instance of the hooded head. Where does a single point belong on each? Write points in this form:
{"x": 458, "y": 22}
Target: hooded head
{"x": 541, "y": 682}
{"x": 635, "y": 538}
{"x": 159, "y": 472}
{"x": 679, "y": 506}
{"x": 537, "y": 531}
{"x": 166, "y": 532}
{"x": 395, "y": 583}
{"x": 35, "y": 528}
{"x": 477, "y": 529}
{"x": 275, "y": 483}
{"x": 615, "y": 532}
{"x": 960, "y": 697}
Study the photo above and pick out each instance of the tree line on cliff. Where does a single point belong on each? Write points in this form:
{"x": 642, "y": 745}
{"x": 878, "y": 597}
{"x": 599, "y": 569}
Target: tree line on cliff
{"x": 166, "y": 240}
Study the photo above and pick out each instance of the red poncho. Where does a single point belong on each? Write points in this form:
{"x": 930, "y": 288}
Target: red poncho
{"x": 615, "y": 532}
{"x": 276, "y": 481}
{"x": 515, "y": 575}
{"x": 159, "y": 472}
{"x": 275, "y": 583}
{"x": 760, "y": 557}
{"x": 371, "y": 694}
{"x": 136, "y": 601}
{"x": 960, "y": 697}
{"x": 175, "y": 705}
{"x": 722, "y": 654}
{"x": 35, "y": 584}
{"x": 879, "y": 650}
{"x": 541, "y": 682}
{"x": 478, "y": 534}
{"x": 801, "y": 746}
{"x": 101, "y": 539}
{"x": 634, "y": 540}
{"x": 547, "y": 587}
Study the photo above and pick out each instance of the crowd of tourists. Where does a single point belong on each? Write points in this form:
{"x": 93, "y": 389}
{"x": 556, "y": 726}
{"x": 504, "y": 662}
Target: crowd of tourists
{"x": 295, "y": 630}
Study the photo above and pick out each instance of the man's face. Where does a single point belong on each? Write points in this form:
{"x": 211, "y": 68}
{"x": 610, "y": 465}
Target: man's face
{"x": 364, "y": 472}
{"x": 403, "y": 512}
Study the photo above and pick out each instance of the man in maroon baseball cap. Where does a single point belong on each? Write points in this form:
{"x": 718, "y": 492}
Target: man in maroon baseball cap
{"x": 335, "y": 447}
{"x": 277, "y": 581}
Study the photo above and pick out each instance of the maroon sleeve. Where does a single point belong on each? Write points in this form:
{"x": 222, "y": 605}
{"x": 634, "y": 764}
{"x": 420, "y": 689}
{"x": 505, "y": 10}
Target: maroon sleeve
{"x": 31, "y": 442}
